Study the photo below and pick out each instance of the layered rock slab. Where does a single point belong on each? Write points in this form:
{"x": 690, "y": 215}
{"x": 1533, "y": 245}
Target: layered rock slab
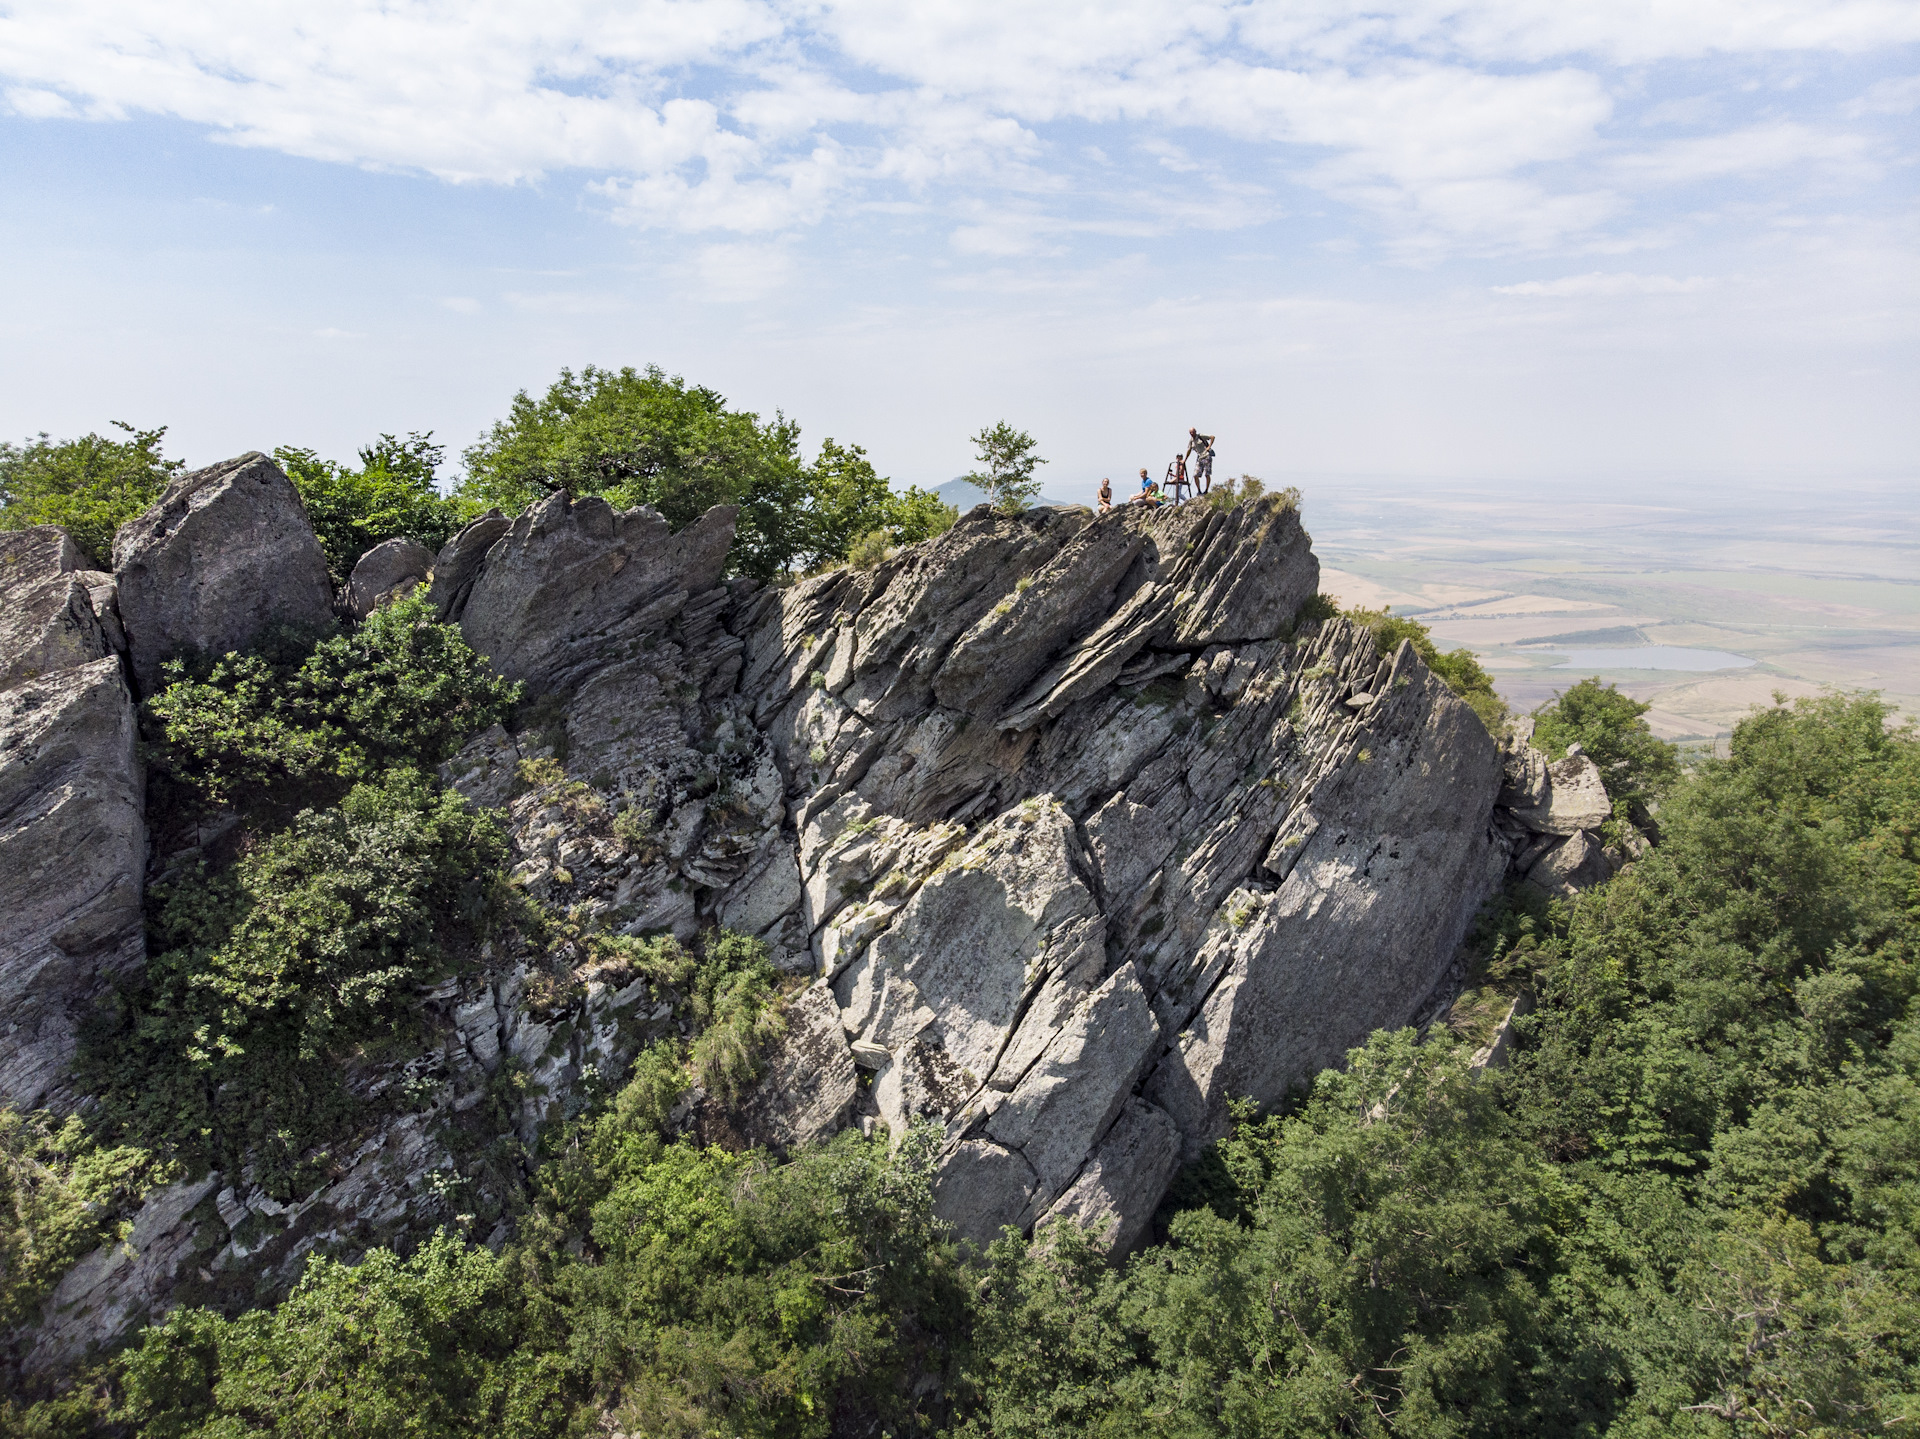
{"x": 226, "y": 553}
{"x": 72, "y": 856}
{"x": 47, "y": 619}
{"x": 571, "y": 583}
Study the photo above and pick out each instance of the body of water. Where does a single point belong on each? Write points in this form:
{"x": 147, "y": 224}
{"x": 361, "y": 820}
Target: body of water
{"x": 1652, "y": 657}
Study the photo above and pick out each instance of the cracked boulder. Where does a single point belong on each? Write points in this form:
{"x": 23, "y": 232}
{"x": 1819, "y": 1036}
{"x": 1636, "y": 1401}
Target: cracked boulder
{"x": 384, "y": 573}
{"x": 226, "y": 553}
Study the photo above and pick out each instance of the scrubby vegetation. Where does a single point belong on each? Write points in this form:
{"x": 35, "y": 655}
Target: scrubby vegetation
{"x": 393, "y": 495}
{"x": 643, "y": 437}
{"x": 90, "y": 486}
{"x": 1688, "y": 1207}
{"x": 1458, "y": 668}
{"x": 296, "y": 722}
{"x": 1638, "y": 768}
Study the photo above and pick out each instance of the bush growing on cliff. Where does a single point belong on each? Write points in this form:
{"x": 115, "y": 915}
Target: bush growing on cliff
{"x": 262, "y": 976}
{"x": 688, "y": 1292}
{"x": 643, "y": 437}
{"x": 1637, "y": 766}
{"x": 1459, "y": 670}
{"x": 90, "y": 486}
{"x": 277, "y": 728}
{"x": 61, "y": 1194}
{"x": 391, "y": 496}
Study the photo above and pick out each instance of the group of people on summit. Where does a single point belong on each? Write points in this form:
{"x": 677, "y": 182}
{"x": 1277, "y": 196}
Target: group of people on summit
{"x": 1179, "y": 478}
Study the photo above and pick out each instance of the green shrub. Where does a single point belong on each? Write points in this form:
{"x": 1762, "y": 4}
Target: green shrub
{"x": 89, "y": 486}
{"x": 61, "y": 1195}
{"x": 869, "y": 549}
{"x": 263, "y": 976}
{"x": 1457, "y": 669}
{"x": 707, "y": 1293}
{"x": 274, "y": 729}
{"x": 439, "y": 1344}
{"x": 391, "y": 496}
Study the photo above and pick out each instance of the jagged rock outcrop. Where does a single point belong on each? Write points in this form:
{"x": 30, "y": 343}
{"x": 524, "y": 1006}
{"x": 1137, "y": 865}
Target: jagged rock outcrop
{"x": 226, "y": 553}
{"x": 72, "y": 857}
{"x": 459, "y": 561}
{"x": 72, "y": 837}
{"x": 47, "y": 619}
{"x": 1078, "y": 833}
{"x": 387, "y": 571}
{"x": 1551, "y": 812}
{"x": 573, "y": 583}
{"x": 1064, "y": 829}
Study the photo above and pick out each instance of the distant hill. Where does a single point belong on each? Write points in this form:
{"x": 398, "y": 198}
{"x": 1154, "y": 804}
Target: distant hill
{"x": 965, "y": 494}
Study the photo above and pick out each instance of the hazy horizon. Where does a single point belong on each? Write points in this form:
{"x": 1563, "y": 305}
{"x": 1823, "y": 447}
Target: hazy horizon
{"x": 1508, "y": 240}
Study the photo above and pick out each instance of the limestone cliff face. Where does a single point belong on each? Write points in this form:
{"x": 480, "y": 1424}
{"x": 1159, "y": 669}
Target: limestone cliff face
{"x": 72, "y": 837}
{"x": 1078, "y": 833}
{"x": 1070, "y": 829}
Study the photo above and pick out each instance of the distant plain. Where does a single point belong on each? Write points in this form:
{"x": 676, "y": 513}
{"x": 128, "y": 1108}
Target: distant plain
{"x": 1816, "y": 583}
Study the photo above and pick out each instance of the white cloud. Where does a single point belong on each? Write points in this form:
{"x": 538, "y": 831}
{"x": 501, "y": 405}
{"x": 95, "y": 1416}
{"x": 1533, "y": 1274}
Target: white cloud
{"x": 35, "y": 104}
{"x": 1899, "y": 96}
{"x": 741, "y": 271}
{"x": 1605, "y": 285}
{"x": 1754, "y": 150}
{"x": 1478, "y": 126}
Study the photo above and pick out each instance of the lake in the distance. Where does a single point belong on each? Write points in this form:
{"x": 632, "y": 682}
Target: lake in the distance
{"x": 1652, "y": 657}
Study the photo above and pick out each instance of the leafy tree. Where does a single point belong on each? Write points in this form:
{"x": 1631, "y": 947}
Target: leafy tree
{"x": 642, "y": 438}
{"x": 1638, "y": 767}
{"x": 392, "y": 495}
{"x": 849, "y": 502}
{"x": 1007, "y": 463}
{"x": 1386, "y": 1266}
{"x": 432, "y": 1346}
{"x": 89, "y": 486}
{"x": 1458, "y": 669}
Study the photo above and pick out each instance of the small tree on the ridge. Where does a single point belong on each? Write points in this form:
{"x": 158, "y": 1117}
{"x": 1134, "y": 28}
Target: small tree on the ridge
{"x": 1007, "y": 463}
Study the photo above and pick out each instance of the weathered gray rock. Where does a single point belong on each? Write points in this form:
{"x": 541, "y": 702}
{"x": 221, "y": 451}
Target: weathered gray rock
{"x": 1122, "y": 1183}
{"x": 119, "y": 1286}
{"x": 575, "y": 584}
{"x": 72, "y": 858}
{"x": 226, "y": 553}
{"x": 1575, "y": 863}
{"x": 459, "y": 561}
{"x": 809, "y": 1085}
{"x": 105, "y": 595}
{"x": 1570, "y": 796}
{"x": 47, "y": 622}
{"x": 386, "y": 572}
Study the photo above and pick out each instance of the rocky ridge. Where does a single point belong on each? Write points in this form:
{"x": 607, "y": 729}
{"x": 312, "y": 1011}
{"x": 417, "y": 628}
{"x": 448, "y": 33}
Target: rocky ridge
{"x": 1069, "y": 828}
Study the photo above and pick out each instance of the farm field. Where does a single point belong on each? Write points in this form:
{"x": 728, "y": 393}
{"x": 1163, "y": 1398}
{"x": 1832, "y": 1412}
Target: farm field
{"x": 1703, "y": 599}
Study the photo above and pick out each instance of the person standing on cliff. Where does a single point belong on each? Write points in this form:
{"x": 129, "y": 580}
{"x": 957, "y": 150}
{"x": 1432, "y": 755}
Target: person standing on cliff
{"x": 1106, "y": 495}
{"x": 1201, "y": 448}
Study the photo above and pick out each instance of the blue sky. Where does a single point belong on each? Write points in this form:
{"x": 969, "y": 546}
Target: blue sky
{"x": 1518, "y": 241}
